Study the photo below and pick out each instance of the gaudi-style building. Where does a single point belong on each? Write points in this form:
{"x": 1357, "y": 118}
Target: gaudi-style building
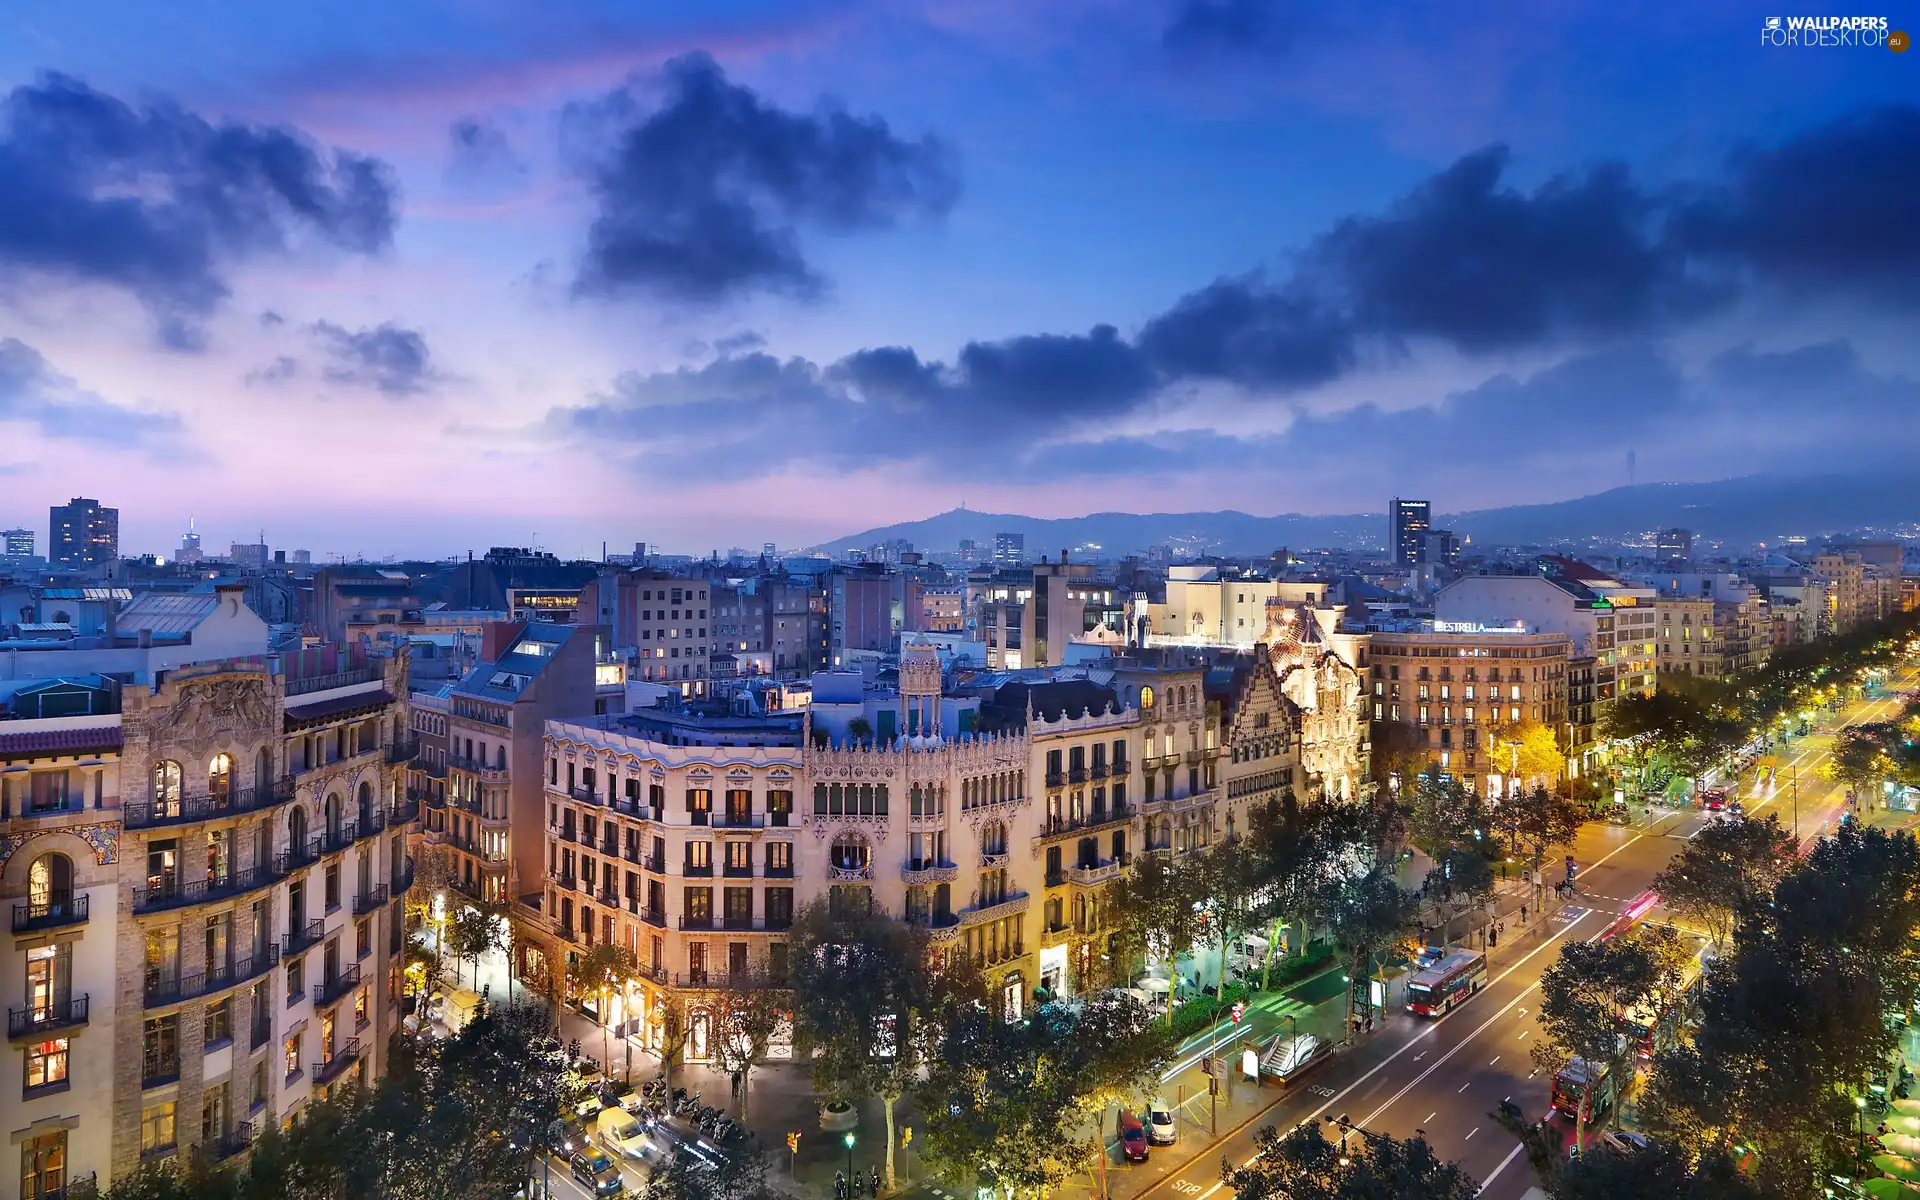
{"x": 204, "y": 868}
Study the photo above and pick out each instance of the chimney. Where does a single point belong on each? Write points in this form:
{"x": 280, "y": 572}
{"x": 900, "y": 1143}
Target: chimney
{"x": 497, "y": 637}
{"x": 113, "y": 619}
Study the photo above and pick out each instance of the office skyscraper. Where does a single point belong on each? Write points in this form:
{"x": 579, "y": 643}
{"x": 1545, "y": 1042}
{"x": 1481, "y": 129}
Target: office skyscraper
{"x": 17, "y": 543}
{"x": 1009, "y": 549}
{"x": 80, "y": 533}
{"x": 1410, "y": 519}
{"x": 1675, "y": 549}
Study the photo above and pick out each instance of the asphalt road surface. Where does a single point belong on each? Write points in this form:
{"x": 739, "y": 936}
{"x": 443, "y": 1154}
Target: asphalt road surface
{"x": 1446, "y": 1076}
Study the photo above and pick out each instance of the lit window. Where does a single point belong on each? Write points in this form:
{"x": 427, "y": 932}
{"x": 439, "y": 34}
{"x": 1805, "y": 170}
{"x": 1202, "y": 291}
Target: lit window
{"x": 47, "y": 1063}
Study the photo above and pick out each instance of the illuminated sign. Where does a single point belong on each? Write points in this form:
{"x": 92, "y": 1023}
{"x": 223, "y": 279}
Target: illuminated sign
{"x": 1477, "y": 627}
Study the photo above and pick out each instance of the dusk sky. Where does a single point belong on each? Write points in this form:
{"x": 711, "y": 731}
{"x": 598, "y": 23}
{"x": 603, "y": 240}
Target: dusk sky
{"x": 413, "y": 278}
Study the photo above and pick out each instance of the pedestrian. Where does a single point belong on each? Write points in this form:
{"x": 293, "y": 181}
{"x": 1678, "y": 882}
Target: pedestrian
{"x": 1369, "y": 1022}
{"x": 874, "y": 1179}
{"x": 839, "y": 1186}
{"x": 1523, "y": 914}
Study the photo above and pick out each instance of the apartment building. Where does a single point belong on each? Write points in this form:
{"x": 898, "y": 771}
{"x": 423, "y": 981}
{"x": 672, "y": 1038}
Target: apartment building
{"x": 668, "y": 630}
{"x": 1451, "y": 688}
{"x": 491, "y": 847}
{"x": 206, "y": 875}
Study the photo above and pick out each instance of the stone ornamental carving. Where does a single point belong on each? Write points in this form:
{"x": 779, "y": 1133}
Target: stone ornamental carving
{"x": 102, "y": 838}
{"x": 211, "y": 706}
{"x": 1327, "y": 692}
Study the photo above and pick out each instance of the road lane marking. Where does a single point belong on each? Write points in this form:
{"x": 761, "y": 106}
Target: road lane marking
{"x": 1504, "y": 1164}
{"x": 1430, "y": 1117}
{"x": 1383, "y": 1063}
{"x": 1470, "y": 1133}
{"x": 1495, "y": 1062}
{"x": 1524, "y": 1033}
{"x": 1463, "y": 1087}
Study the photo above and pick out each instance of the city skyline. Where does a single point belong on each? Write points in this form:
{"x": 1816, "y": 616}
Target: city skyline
{"x": 522, "y": 276}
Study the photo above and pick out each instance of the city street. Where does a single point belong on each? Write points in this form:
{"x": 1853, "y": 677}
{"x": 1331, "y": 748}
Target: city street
{"x": 1445, "y": 1076}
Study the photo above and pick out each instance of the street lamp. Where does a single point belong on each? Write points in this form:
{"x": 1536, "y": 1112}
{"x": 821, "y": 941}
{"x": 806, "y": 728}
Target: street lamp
{"x": 849, "y": 1141}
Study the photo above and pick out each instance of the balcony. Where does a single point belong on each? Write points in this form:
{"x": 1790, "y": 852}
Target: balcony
{"x": 696, "y": 922}
{"x": 1057, "y": 824}
{"x": 1119, "y": 769}
{"x": 371, "y": 901}
{"x": 402, "y": 750}
{"x": 173, "y": 892}
{"x": 1097, "y": 873}
{"x": 302, "y": 939}
{"x": 569, "y": 882}
{"x": 338, "y": 838}
{"x": 777, "y": 870}
{"x": 297, "y": 856}
{"x": 488, "y": 772}
{"x": 697, "y": 870}
{"x": 338, "y": 679}
{"x": 36, "y": 1021}
{"x": 913, "y": 872}
{"x": 1056, "y": 779}
{"x": 736, "y": 870}
{"x": 330, "y": 990}
{"x": 993, "y": 862}
{"x": 653, "y": 916}
{"x": 850, "y": 874}
{"x": 52, "y": 913}
{"x": 1097, "y": 771}
{"x": 149, "y": 814}
{"x": 940, "y": 926}
{"x": 403, "y": 879}
{"x": 657, "y": 865}
{"x": 739, "y": 819}
{"x": 406, "y": 810}
{"x": 164, "y": 987}
{"x": 1076, "y": 775}
{"x": 981, "y": 914}
{"x": 328, "y": 1069}
{"x": 234, "y": 1141}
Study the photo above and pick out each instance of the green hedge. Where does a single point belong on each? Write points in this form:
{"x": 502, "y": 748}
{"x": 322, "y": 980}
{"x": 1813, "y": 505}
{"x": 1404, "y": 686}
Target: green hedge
{"x": 1191, "y": 1016}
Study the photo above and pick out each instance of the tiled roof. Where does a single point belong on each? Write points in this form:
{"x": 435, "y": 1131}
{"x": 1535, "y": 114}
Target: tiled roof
{"x": 160, "y": 612}
{"x": 50, "y": 741}
{"x": 337, "y": 705}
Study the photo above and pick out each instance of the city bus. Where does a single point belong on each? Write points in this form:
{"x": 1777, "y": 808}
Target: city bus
{"x": 1570, "y": 1090}
{"x": 1446, "y": 982}
{"x": 1653, "y": 1028}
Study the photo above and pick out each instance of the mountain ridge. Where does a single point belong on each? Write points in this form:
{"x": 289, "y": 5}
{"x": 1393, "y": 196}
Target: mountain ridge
{"x": 1743, "y": 510}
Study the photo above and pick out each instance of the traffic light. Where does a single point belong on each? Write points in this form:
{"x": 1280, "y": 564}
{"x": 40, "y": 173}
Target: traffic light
{"x": 906, "y": 1139}
{"x": 793, "y": 1142}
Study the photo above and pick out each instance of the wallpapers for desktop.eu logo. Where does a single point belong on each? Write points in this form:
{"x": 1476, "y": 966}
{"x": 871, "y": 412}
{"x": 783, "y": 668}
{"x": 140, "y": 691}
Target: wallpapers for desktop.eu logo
{"x": 1867, "y": 32}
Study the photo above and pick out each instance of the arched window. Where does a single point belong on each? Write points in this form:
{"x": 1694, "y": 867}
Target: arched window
{"x": 333, "y": 815}
{"x": 49, "y": 882}
{"x": 220, "y": 778}
{"x": 168, "y": 781}
{"x": 297, "y": 829}
{"x": 263, "y": 771}
{"x": 366, "y": 803}
{"x": 850, "y": 852}
{"x": 993, "y": 838}
{"x": 1146, "y": 699}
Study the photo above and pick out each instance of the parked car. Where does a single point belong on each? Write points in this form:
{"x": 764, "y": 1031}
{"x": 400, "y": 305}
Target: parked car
{"x": 1623, "y": 1143}
{"x": 1133, "y": 1138}
{"x": 1160, "y": 1125}
{"x": 597, "y": 1172}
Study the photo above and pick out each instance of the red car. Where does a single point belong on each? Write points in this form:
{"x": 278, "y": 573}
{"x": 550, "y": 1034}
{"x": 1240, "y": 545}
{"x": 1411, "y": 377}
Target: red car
{"x": 1133, "y": 1138}
{"x": 1713, "y": 799}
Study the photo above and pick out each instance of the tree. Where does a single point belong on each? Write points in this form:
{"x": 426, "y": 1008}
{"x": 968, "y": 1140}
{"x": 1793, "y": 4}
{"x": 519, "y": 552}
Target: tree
{"x": 669, "y": 1029}
{"x": 1525, "y": 751}
{"x": 1369, "y": 915}
{"x": 1460, "y": 879}
{"x": 864, "y": 994}
{"x": 1023, "y": 1102}
{"x": 1155, "y": 911}
{"x": 1541, "y": 820}
{"x": 1795, "y": 1017}
{"x": 860, "y": 730}
{"x": 1582, "y": 996}
{"x": 1303, "y": 1165}
{"x": 475, "y": 932}
{"x": 1724, "y": 871}
{"x": 683, "y": 1177}
{"x": 606, "y": 970}
{"x": 752, "y": 1012}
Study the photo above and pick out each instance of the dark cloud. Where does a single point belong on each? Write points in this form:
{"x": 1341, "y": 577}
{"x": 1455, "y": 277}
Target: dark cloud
{"x": 161, "y": 202}
{"x": 31, "y": 391}
{"x": 703, "y": 196}
{"x": 1217, "y": 28}
{"x": 391, "y": 360}
{"x": 1240, "y": 330}
{"x": 1829, "y": 208}
{"x": 1593, "y": 267}
{"x": 280, "y": 370}
{"x": 480, "y": 149}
